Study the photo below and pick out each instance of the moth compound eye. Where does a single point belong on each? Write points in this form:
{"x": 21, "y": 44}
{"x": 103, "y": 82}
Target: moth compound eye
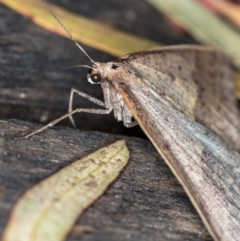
{"x": 95, "y": 78}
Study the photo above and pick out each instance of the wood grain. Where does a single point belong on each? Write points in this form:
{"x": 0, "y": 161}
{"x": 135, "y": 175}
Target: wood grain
{"x": 146, "y": 202}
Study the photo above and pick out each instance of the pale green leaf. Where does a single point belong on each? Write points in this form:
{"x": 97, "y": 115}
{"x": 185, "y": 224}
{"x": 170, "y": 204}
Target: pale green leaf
{"x": 48, "y": 210}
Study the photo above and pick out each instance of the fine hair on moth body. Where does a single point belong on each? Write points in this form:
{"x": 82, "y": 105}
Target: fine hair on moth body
{"x": 181, "y": 98}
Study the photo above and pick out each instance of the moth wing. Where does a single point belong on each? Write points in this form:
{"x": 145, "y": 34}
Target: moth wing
{"x": 204, "y": 164}
{"x": 196, "y": 81}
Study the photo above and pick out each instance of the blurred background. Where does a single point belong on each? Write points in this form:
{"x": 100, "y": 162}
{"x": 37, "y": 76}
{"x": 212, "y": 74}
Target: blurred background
{"x": 33, "y": 51}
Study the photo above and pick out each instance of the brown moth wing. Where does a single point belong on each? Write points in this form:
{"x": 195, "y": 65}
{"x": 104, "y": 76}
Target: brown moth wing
{"x": 203, "y": 163}
{"x": 196, "y": 81}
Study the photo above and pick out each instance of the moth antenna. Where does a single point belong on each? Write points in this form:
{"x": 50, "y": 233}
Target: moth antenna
{"x": 78, "y": 65}
{"x": 65, "y": 29}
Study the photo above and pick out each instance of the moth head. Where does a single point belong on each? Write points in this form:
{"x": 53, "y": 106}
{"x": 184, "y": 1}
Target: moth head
{"x": 98, "y": 72}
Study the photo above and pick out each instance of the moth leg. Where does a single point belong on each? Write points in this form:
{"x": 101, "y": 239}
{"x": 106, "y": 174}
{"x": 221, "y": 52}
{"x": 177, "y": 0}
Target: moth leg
{"x": 84, "y": 95}
{"x": 52, "y": 123}
{"x": 131, "y": 124}
{"x": 127, "y": 118}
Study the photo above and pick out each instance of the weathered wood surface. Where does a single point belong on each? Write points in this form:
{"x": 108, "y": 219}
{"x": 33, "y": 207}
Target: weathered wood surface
{"x": 146, "y": 202}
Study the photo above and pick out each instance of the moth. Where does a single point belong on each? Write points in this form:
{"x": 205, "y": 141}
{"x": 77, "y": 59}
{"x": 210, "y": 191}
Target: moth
{"x": 182, "y": 98}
